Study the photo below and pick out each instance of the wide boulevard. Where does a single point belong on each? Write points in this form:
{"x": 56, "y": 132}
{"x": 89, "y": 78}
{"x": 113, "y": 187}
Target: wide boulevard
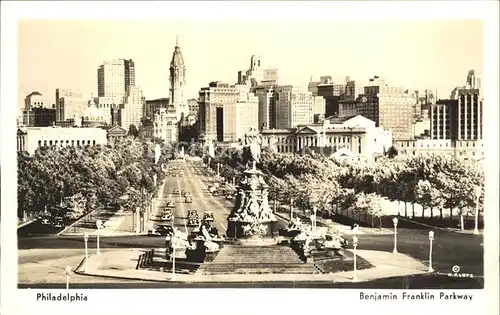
{"x": 450, "y": 249}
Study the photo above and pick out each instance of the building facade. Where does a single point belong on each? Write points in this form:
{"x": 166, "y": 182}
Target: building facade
{"x": 470, "y": 108}
{"x": 178, "y": 83}
{"x": 34, "y": 100}
{"x": 39, "y": 117}
{"x": 256, "y": 75}
{"x": 217, "y": 104}
{"x": 267, "y": 105}
{"x": 356, "y": 135}
{"x": 444, "y": 120}
{"x": 166, "y": 125}
{"x": 31, "y": 138}
{"x": 131, "y": 113}
{"x": 462, "y": 149}
{"x": 294, "y": 106}
{"x": 193, "y": 107}
{"x": 114, "y": 77}
{"x": 246, "y": 114}
{"x": 152, "y": 106}
{"x": 390, "y": 107}
{"x": 69, "y": 104}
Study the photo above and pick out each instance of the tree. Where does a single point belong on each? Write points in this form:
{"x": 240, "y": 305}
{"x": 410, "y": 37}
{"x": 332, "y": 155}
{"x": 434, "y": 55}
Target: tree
{"x": 132, "y": 131}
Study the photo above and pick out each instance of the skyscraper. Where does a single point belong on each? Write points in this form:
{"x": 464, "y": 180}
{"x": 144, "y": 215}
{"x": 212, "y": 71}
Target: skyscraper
{"x": 294, "y": 107}
{"x": 178, "y": 82}
{"x": 132, "y": 111}
{"x": 114, "y": 77}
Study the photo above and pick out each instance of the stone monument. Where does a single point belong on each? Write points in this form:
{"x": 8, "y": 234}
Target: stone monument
{"x": 252, "y": 217}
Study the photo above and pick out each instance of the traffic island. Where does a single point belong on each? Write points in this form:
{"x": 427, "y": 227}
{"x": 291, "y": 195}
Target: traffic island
{"x": 229, "y": 267}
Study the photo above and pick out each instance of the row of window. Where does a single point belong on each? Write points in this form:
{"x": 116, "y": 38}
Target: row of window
{"x": 65, "y": 142}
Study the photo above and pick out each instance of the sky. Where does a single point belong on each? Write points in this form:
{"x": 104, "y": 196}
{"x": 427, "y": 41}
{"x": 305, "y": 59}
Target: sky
{"x": 419, "y": 55}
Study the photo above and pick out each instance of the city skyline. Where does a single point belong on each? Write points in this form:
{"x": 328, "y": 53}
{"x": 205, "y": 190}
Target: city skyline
{"x": 379, "y": 48}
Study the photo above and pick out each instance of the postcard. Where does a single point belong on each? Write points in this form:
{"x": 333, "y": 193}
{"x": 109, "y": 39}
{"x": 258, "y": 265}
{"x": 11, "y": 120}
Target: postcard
{"x": 312, "y": 157}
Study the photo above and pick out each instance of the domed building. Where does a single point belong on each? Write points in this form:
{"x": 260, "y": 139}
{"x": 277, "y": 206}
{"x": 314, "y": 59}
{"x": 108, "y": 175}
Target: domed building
{"x": 93, "y": 116}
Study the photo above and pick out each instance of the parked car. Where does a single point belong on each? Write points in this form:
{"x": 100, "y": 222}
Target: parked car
{"x": 192, "y": 218}
{"x": 208, "y": 216}
{"x": 175, "y": 191}
{"x": 188, "y": 199}
{"x": 229, "y": 195}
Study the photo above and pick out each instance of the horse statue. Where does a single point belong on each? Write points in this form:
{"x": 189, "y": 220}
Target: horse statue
{"x": 251, "y": 147}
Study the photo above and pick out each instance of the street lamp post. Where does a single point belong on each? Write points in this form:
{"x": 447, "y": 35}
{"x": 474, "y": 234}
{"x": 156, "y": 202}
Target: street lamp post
{"x": 431, "y": 238}
{"x": 476, "y": 215}
{"x": 98, "y": 224}
{"x": 395, "y": 222}
{"x": 275, "y": 205}
{"x": 67, "y": 271}
{"x": 313, "y": 217}
{"x": 218, "y": 169}
{"x": 86, "y": 239}
{"x": 291, "y": 209}
{"x": 355, "y": 244}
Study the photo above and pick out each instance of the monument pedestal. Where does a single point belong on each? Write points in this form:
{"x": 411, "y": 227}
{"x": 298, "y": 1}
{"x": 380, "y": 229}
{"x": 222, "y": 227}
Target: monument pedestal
{"x": 235, "y": 230}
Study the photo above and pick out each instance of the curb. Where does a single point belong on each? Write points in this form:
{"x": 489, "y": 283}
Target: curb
{"x": 438, "y": 228}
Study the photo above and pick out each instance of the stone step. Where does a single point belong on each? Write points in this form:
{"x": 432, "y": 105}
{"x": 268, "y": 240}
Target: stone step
{"x": 259, "y": 269}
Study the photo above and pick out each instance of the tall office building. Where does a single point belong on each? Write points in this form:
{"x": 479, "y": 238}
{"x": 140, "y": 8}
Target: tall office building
{"x": 256, "y": 75}
{"x": 213, "y": 101}
{"x": 178, "y": 83}
{"x": 470, "y": 108}
{"x": 69, "y": 105}
{"x": 390, "y": 107}
{"x": 246, "y": 113}
{"x": 227, "y": 112}
{"x": 461, "y": 116}
{"x": 333, "y": 93}
{"x": 36, "y": 112}
{"x": 294, "y": 107}
{"x": 114, "y": 77}
{"x": 132, "y": 111}
{"x": 267, "y": 106}
{"x": 444, "y": 119}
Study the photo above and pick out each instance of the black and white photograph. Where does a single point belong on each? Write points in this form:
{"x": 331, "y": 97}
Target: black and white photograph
{"x": 353, "y": 155}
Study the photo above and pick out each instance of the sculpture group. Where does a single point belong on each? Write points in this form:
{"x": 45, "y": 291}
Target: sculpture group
{"x": 252, "y": 218}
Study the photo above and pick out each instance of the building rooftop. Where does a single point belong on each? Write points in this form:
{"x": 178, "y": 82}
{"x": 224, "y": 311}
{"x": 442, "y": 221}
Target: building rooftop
{"x": 339, "y": 120}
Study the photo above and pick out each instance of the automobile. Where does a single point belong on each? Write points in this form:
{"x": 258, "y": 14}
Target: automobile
{"x": 223, "y": 184}
{"x": 58, "y": 222}
{"x": 173, "y": 175}
{"x": 175, "y": 191}
{"x": 192, "y": 218}
{"x": 184, "y": 192}
{"x": 188, "y": 199}
{"x": 208, "y": 216}
{"x": 45, "y": 221}
{"x": 161, "y": 230}
{"x": 229, "y": 196}
{"x": 170, "y": 204}
{"x": 167, "y": 215}
{"x": 215, "y": 193}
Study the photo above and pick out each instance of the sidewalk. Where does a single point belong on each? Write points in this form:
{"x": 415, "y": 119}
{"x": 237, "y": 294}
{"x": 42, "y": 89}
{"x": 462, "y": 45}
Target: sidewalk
{"x": 121, "y": 264}
{"x": 118, "y": 223}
